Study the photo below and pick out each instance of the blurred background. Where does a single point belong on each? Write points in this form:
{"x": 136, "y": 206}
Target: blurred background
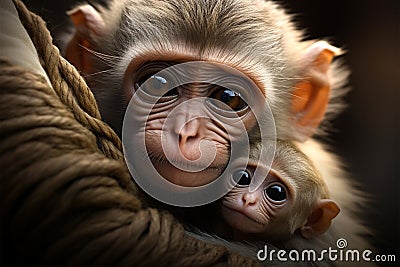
{"x": 366, "y": 135}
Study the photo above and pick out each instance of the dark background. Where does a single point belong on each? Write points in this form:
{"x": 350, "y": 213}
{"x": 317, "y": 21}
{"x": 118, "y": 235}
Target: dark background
{"x": 366, "y": 134}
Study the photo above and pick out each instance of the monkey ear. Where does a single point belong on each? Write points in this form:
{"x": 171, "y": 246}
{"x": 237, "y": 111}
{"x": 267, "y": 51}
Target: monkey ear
{"x": 88, "y": 24}
{"x": 311, "y": 94}
{"x": 320, "y": 219}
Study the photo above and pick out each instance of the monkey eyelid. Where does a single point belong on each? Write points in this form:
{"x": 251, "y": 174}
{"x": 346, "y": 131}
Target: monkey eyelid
{"x": 149, "y": 68}
{"x": 290, "y": 188}
{"x": 277, "y": 176}
{"x": 226, "y": 112}
{"x": 237, "y": 89}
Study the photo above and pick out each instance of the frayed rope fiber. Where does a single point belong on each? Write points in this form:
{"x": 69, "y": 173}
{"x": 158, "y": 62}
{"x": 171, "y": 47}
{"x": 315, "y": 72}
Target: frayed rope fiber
{"x": 66, "y": 196}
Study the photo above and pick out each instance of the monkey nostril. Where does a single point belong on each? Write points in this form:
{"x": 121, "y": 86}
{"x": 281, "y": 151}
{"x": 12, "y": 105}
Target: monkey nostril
{"x": 189, "y": 146}
{"x": 185, "y": 138}
{"x": 249, "y": 199}
{"x": 189, "y": 133}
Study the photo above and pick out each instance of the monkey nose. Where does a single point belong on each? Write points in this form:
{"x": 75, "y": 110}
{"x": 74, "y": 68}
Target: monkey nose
{"x": 190, "y": 136}
{"x": 249, "y": 199}
{"x": 189, "y": 146}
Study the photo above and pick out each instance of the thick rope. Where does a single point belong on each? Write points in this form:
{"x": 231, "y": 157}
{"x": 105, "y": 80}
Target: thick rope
{"x": 65, "y": 193}
{"x": 68, "y": 83}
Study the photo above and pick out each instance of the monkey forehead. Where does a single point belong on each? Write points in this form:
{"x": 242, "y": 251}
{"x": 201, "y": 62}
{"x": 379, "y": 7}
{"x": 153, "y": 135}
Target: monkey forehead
{"x": 297, "y": 167}
{"x": 200, "y": 22}
{"x": 248, "y": 163}
{"x": 237, "y": 33}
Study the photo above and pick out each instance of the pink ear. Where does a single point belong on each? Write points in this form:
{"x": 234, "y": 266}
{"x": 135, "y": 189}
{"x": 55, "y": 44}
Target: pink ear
{"x": 88, "y": 24}
{"x": 320, "y": 219}
{"x": 311, "y": 95}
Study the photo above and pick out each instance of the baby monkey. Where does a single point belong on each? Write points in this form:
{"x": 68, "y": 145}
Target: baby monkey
{"x": 292, "y": 200}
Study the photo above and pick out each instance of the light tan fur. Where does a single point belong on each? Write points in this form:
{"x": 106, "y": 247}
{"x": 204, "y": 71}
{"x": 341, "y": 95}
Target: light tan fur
{"x": 305, "y": 190}
{"x": 254, "y": 36}
{"x": 344, "y": 191}
{"x": 257, "y": 37}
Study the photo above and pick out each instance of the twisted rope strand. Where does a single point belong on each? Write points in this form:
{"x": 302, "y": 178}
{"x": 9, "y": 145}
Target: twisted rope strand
{"x": 66, "y": 195}
{"x": 68, "y": 83}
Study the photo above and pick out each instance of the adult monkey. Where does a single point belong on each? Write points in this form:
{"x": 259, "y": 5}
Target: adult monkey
{"x": 255, "y": 37}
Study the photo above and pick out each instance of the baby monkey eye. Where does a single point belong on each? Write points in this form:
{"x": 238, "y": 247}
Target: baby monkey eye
{"x": 228, "y": 97}
{"x": 276, "y": 193}
{"x": 242, "y": 177}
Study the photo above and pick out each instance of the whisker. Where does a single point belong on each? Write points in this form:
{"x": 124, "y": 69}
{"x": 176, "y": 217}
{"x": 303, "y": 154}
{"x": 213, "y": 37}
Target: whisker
{"x": 98, "y": 72}
{"x": 108, "y": 59}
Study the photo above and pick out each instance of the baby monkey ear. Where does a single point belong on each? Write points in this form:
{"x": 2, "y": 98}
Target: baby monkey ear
{"x": 88, "y": 23}
{"x": 320, "y": 219}
{"x": 311, "y": 94}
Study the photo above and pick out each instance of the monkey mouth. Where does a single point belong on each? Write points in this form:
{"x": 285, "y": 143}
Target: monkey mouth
{"x": 161, "y": 160}
{"x": 183, "y": 177}
{"x": 189, "y": 165}
{"x": 237, "y": 211}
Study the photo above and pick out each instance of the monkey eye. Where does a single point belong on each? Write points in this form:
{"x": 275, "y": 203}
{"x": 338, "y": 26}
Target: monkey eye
{"x": 157, "y": 85}
{"x": 242, "y": 177}
{"x": 228, "y": 97}
{"x": 158, "y": 82}
{"x": 172, "y": 92}
{"x": 276, "y": 193}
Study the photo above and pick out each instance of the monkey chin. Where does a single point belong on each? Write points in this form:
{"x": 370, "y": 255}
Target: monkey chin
{"x": 242, "y": 222}
{"x": 185, "y": 178}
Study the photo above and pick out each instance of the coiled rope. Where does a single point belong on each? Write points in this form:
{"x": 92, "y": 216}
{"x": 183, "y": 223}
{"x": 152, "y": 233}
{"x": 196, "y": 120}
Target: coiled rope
{"x": 65, "y": 193}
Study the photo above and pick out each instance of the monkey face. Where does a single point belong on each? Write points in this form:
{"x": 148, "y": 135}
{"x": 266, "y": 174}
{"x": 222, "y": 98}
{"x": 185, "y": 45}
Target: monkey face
{"x": 132, "y": 40}
{"x": 190, "y": 126}
{"x": 264, "y": 211}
